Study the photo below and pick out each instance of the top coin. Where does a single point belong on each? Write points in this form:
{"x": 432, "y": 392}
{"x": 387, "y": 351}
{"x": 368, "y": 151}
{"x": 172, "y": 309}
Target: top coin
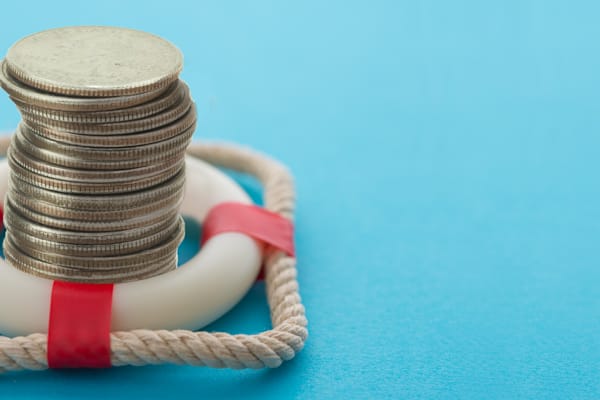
{"x": 94, "y": 61}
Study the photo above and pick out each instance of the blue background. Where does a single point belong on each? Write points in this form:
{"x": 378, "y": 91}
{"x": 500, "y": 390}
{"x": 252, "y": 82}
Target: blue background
{"x": 446, "y": 157}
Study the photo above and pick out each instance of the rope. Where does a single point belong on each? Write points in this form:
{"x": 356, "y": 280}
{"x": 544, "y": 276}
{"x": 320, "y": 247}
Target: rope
{"x": 218, "y": 350}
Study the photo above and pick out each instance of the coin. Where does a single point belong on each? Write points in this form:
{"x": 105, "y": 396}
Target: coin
{"x": 94, "y": 61}
{"x": 14, "y": 220}
{"x": 95, "y": 226}
{"x": 30, "y": 96}
{"x": 93, "y": 250}
{"x": 25, "y": 240}
{"x": 99, "y": 158}
{"x": 100, "y": 203}
{"x": 107, "y": 215}
{"x": 128, "y": 261}
{"x": 173, "y": 95}
{"x": 28, "y": 264}
{"x": 172, "y": 114}
{"x": 57, "y": 185}
{"x": 97, "y": 166}
{"x": 92, "y": 176}
{"x": 185, "y": 123}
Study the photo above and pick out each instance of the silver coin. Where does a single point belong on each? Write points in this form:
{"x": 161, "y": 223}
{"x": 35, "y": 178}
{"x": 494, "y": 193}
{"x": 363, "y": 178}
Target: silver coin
{"x": 120, "y": 248}
{"x": 130, "y": 245}
{"x": 24, "y": 240}
{"x": 166, "y": 117}
{"x": 172, "y": 96}
{"x": 94, "y": 61}
{"x": 109, "y": 215}
{"x": 97, "y": 165}
{"x": 55, "y": 149}
{"x": 185, "y": 123}
{"x": 15, "y": 221}
{"x": 99, "y": 158}
{"x": 26, "y": 94}
{"x": 92, "y": 176}
{"x": 101, "y": 203}
{"x": 28, "y": 264}
{"x": 37, "y": 179}
{"x": 126, "y": 261}
{"x": 95, "y": 226}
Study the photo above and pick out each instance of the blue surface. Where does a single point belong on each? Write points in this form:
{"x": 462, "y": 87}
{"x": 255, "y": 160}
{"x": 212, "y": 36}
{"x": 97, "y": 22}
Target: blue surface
{"x": 446, "y": 157}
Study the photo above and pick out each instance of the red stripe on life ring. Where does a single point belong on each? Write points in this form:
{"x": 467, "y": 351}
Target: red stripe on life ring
{"x": 254, "y": 221}
{"x": 79, "y": 325}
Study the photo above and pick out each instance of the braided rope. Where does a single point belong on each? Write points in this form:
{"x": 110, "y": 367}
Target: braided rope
{"x": 217, "y": 350}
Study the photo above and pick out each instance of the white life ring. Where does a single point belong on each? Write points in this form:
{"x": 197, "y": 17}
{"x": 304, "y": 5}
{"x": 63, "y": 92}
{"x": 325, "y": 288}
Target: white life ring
{"x": 192, "y": 296}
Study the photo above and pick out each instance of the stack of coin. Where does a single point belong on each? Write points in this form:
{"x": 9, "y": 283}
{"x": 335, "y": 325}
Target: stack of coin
{"x": 97, "y": 162}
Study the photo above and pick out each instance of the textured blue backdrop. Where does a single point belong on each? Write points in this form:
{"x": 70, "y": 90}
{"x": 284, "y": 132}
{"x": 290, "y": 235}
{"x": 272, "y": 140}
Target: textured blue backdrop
{"x": 447, "y": 159}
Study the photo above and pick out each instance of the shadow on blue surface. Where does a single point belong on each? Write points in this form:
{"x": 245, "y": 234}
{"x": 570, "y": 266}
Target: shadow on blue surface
{"x": 91, "y": 384}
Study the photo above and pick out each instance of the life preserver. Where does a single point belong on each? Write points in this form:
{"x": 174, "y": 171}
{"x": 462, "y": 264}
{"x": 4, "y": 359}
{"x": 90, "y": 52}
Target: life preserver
{"x": 192, "y": 296}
